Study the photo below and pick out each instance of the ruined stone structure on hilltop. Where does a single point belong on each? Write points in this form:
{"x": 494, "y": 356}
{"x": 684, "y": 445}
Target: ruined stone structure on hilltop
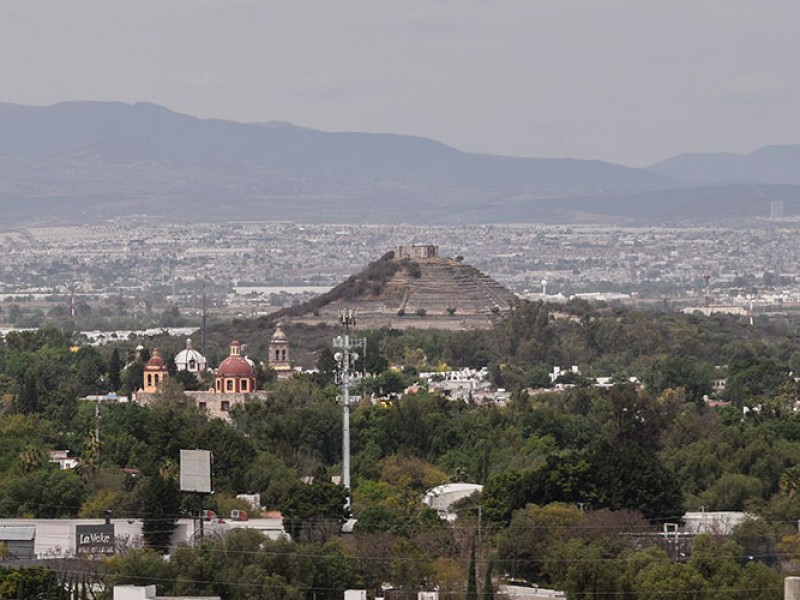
{"x": 414, "y": 287}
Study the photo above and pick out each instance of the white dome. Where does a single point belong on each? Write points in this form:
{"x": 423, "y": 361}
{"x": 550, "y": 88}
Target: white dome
{"x": 442, "y": 498}
{"x": 190, "y": 359}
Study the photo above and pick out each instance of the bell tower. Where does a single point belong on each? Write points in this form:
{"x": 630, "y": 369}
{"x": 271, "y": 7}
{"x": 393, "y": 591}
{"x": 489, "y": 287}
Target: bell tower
{"x": 279, "y": 356}
{"x": 155, "y": 372}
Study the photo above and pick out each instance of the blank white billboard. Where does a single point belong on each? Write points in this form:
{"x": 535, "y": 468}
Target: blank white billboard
{"x": 196, "y": 471}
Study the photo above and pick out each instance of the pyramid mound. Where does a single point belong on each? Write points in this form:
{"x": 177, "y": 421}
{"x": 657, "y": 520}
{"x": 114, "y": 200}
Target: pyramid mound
{"x": 413, "y": 287}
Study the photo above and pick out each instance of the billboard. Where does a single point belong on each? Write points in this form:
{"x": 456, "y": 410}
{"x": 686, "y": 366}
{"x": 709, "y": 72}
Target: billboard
{"x": 196, "y": 471}
{"x": 94, "y": 539}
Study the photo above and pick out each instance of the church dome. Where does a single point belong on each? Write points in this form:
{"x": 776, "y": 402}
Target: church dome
{"x": 190, "y": 359}
{"x": 235, "y": 365}
{"x": 155, "y": 360}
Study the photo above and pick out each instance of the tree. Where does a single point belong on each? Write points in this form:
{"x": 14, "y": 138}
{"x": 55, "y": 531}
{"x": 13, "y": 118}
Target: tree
{"x": 717, "y": 563}
{"x": 583, "y": 569}
{"x": 639, "y": 417}
{"x": 30, "y": 583}
{"x": 90, "y": 458}
{"x": 759, "y": 582}
{"x": 472, "y": 581}
{"x": 790, "y": 481}
{"x": 732, "y": 491}
{"x": 502, "y": 495}
{"x": 115, "y": 370}
{"x": 315, "y": 512}
{"x": 378, "y": 517}
{"x": 627, "y": 476}
{"x": 532, "y": 531}
{"x": 411, "y": 568}
{"x": 140, "y": 566}
{"x": 31, "y": 459}
{"x": 758, "y": 538}
{"x": 45, "y": 493}
{"x": 89, "y": 369}
{"x": 160, "y": 506}
{"x": 681, "y": 371}
{"x": 749, "y": 379}
{"x": 680, "y": 581}
{"x": 326, "y": 367}
{"x": 132, "y": 376}
{"x": 189, "y": 381}
{"x": 388, "y": 382}
{"x": 233, "y": 453}
{"x": 488, "y": 586}
{"x": 28, "y": 402}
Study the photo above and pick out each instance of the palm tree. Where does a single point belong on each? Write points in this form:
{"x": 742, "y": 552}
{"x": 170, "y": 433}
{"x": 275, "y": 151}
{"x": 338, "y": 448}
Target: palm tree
{"x": 31, "y": 459}
{"x": 790, "y": 481}
{"x": 169, "y": 469}
{"x": 90, "y": 458}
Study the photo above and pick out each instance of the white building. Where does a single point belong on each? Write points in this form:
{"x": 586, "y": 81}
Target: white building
{"x": 64, "y": 460}
{"x": 442, "y": 497}
{"x": 59, "y": 537}
{"x": 460, "y": 384}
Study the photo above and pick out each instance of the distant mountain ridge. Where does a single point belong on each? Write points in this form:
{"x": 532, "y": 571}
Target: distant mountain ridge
{"x": 79, "y": 161}
{"x": 776, "y": 165}
{"x": 146, "y": 130}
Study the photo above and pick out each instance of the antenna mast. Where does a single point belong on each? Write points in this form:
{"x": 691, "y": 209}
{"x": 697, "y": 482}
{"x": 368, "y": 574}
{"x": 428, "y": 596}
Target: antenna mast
{"x": 204, "y": 315}
{"x": 346, "y": 357}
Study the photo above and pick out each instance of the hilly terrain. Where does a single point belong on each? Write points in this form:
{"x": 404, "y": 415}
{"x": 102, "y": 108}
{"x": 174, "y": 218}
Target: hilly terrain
{"x": 776, "y": 165}
{"x": 393, "y": 292}
{"x": 77, "y": 162}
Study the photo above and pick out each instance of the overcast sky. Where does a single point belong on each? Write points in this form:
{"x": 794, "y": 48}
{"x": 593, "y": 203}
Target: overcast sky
{"x": 630, "y": 81}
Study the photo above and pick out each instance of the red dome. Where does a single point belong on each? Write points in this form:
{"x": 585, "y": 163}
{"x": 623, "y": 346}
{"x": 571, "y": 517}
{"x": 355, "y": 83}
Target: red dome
{"x": 155, "y": 360}
{"x": 235, "y": 366}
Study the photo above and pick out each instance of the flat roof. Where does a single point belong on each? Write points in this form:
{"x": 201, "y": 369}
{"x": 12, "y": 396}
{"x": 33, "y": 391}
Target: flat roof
{"x": 18, "y": 533}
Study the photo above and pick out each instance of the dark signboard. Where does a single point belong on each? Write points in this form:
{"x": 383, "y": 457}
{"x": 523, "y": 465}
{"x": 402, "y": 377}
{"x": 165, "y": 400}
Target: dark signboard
{"x": 94, "y": 539}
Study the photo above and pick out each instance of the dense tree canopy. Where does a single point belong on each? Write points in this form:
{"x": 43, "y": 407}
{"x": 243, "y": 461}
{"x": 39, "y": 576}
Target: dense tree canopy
{"x": 559, "y": 465}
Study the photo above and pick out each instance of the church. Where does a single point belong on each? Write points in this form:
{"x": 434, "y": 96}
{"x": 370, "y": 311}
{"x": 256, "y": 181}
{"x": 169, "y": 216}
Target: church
{"x": 234, "y": 379}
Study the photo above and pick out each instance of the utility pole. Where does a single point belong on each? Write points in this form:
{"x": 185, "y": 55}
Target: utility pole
{"x": 480, "y": 527}
{"x": 346, "y": 357}
{"x": 97, "y": 422}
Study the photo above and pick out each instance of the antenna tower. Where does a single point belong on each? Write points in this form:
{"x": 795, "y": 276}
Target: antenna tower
{"x": 346, "y": 357}
{"x": 205, "y": 316}
{"x": 72, "y": 310}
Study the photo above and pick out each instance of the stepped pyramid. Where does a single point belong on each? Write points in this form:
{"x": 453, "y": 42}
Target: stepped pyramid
{"x": 413, "y": 287}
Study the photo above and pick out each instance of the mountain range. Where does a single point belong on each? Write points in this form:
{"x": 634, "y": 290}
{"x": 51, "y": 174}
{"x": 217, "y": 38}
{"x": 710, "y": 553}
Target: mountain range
{"x": 83, "y": 161}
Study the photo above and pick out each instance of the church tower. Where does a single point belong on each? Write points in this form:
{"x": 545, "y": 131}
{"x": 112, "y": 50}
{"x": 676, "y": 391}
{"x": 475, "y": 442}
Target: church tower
{"x": 155, "y": 372}
{"x": 279, "y": 356}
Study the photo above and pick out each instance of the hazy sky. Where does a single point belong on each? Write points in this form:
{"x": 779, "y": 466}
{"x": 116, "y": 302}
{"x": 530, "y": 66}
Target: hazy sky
{"x": 631, "y": 81}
